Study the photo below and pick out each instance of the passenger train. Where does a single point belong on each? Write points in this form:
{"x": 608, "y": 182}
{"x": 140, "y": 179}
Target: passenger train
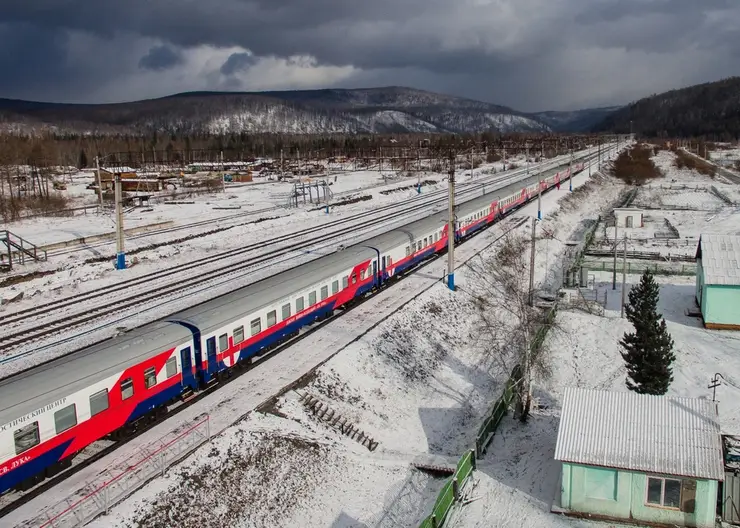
{"x": 53, "y": 411}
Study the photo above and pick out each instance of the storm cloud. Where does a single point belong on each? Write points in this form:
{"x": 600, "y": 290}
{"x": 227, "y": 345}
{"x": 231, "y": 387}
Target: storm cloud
{"x": 528, "y": 54}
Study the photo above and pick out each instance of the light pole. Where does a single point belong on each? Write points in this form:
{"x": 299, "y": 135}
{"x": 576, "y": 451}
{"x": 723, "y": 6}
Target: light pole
{"x": 120, "y": 254}
{"x": 451, "y": 226}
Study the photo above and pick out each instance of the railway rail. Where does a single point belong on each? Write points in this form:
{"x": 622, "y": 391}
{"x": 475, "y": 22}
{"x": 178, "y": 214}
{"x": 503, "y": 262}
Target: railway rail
{"x": 139, "y": 291}
{"x": 20, "y": 499}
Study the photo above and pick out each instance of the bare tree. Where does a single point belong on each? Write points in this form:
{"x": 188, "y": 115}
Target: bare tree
{"x": 507, "y": 324}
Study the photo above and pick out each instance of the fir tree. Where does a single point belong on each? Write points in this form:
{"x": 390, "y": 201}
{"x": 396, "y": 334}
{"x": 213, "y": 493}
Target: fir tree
{"x": 648, "y": 351}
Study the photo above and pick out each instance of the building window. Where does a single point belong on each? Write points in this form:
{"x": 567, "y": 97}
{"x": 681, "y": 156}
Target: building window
{"x": 65, "y": 418}
{"x": 99, "y": 401}
{"x": 150, "y": 377}
{"x": 26, "y": 437}
{"x": 271, "y": 318}
{"x": 170, "y": 368}
{"x": 601, "y": 483}
{"x": 671, "y": 493}
{"x": 127, "y": 388}
{"x": 223, "y": 342}
{"x": 238, "y": 334}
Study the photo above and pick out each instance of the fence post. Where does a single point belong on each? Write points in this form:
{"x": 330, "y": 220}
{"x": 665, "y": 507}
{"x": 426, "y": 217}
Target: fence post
{"x": 434, "y": 521}
{"x": 473, "y": 459}
{"x": 455, "y": 489}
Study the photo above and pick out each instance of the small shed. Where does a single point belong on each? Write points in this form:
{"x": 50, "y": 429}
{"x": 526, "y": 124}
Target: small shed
{"x": 653, "y": 459}
{"x": 629, "y": 217}
{"x": 718, "y": 281}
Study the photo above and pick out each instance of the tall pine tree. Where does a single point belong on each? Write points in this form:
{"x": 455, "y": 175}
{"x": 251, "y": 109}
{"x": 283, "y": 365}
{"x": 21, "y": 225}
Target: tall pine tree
{"x": 648, "y": 351}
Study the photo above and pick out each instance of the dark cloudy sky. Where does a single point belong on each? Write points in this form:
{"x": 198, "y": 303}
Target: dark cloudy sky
{"x": 528, "y": 54}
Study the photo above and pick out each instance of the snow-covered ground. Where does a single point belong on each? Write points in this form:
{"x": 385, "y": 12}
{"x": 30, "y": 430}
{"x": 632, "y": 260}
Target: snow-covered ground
{"x": 519, "y": 478}
{"x": 412, "y": 380}
{"x": 80, "y": 277}
{"x": 684, "y": 200}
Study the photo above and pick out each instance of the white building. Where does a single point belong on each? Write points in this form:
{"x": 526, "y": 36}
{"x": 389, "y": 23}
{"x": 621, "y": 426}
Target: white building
{"x": 629, "y": 217}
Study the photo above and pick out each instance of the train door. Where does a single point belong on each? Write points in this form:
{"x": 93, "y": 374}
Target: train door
{"x": 211, "y": 356}
{"x": 187, "y": 367}
{"x": 375, "y": 273}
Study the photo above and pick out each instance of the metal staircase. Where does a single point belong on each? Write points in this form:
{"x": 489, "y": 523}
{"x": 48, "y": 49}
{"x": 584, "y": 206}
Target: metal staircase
{"x": 16, "y": 250}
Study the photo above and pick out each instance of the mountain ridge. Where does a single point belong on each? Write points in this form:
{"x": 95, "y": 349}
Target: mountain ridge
{"x": 390, "y": 109}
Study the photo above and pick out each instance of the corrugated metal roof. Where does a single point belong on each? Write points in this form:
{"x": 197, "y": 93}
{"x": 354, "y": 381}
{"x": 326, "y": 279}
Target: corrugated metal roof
{"x": 720, "y": 259}
{"x": 626, "y": 430}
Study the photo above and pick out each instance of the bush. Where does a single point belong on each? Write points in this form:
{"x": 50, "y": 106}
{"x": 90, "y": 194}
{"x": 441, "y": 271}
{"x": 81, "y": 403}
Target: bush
{"x": 685, "y": 160}
{"x": 13, "y": 208}
{"x": 635, "y": 167}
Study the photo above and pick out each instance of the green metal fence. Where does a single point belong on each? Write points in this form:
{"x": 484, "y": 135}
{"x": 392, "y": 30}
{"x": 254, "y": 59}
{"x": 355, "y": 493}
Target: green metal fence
{"x": 450, "y": 492}
{"x": 638, "y": 268}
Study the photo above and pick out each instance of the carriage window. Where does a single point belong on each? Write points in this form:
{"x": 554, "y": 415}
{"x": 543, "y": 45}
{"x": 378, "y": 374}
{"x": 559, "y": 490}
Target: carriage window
{"x": 324, "y": 292}
{"x": 334, "y": 287}
{"x": 299, "y": 304}
{"x": 362, "y": 274}
{"x": 127, "y": 388}
{"x": 286, "y": 311}
{"x": 312, "y": 298}
{"x": 271, "y": 318}
{"x": 150, "y": 377}
{"x": 255, "y": 327}
{"x": 354, "y": 278}
{"x": 65, "y": 418}
{"x": 170, "y": 368}
{"x": 26, "y": 437}
{"x": 390, "y": 261}
{"x": 426, "y": 241}
{"x": 99, "y": 402}
{"x": 238, "y": 334}
{"x": 345, "y": 282}
{"x": 435, "y": 237}
{"x": 408, "y": 251}
{"x": 223, "y": 342}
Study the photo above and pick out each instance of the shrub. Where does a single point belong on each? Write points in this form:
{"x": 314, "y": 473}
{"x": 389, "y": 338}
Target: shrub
{"x": 635, "y": 167}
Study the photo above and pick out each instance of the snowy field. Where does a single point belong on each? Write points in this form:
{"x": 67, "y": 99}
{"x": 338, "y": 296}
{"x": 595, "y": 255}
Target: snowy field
{"x": 81, "y": 277}
{"x": 682, "y": 199}
{"x": 519, "y": 478}
{"x": 413, "y": 380}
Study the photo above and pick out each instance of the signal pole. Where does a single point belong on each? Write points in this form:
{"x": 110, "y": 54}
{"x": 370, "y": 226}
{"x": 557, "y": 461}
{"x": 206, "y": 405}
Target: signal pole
{"x": 120, "y": 254}
{"x": 100, "y": 185}
{"x": 531, "y": 264}
{"x": 451, "y": 226}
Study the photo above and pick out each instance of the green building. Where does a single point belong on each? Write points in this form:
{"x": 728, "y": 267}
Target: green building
{"x": 652, "y": 459}
{"x": 718, "y": 281}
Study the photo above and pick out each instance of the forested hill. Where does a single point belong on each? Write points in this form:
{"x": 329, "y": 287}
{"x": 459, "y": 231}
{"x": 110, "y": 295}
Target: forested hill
{"x": 711, "y": 110}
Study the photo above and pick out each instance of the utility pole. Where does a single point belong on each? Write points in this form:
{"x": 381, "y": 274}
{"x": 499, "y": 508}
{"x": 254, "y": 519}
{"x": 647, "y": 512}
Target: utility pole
{"x": 599, "y": 166}
{"x": 223, "y": 178}
{"x": 624, "y": 275}
{"x": 504, "y": 155}
{"x": 120, "y": 255}
{"x": 526, "y": 160}
{"x": 472, "y": 154}
{"x": 570, "y": 169}
{"x": 531, "y": 264}
{"x": 100, "y": 185}
{"x": 451, "y": 226}
{"x": 616, "y": 244}
{"x": 539, "y": 200}
{"x": 282, "y": 172}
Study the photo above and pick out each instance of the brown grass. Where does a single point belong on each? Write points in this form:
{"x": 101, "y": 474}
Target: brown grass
{"x": 687, "y": 161}
{"x": 635, "y": 167}
{"x": 13, "y": 208}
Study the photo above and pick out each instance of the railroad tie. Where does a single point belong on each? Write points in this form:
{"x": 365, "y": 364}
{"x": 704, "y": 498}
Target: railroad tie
{"x": 338, "y": 422}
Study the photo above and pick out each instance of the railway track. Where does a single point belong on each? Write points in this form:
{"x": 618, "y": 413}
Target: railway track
{"x": 25, "y": 497}
{"x": 38, "y": 328}
{"x": 174, "y": 229}
{"x": 38, "y": 490}
{"x": 40, "y": 322}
